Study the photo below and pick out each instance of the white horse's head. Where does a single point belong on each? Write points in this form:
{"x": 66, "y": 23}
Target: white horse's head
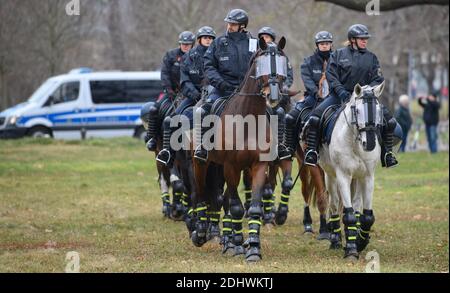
{"x": 367, "y": 113}
{"x": 360, "y": 91}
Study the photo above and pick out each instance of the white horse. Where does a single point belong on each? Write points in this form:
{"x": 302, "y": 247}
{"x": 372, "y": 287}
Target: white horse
{"x": 349, "y": 162}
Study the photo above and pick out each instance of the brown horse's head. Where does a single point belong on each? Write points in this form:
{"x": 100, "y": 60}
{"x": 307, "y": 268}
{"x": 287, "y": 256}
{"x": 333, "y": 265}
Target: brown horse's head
{"x": 271, "y": 70}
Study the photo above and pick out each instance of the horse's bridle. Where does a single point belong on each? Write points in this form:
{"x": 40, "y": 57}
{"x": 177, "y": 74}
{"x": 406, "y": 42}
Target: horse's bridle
{"x": 272, "y": 82}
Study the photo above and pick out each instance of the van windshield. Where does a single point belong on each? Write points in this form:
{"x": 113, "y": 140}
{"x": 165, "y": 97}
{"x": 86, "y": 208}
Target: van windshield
{"x": 37, "y": 95}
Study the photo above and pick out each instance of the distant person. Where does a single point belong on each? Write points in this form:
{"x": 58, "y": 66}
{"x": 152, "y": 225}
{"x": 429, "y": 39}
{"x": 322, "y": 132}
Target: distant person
{"x": 403, "y": 116}
{"x": 431, "y": 106}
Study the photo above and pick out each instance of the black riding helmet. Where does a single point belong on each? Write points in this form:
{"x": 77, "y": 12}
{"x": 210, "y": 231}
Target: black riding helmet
{"x": 359, "y": 31}
{"x": 238, "y": 16}
{"x": 267, "y": 31}
{"x": 206, "y": 31}
{"x": 323, "y": 36}
{"x": 186, "y": 38}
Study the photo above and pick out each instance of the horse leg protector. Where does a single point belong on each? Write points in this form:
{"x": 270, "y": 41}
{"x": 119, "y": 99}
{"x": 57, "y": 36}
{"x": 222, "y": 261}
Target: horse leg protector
{"x": 268, "y": 204}
{"x": 324, "y": 233}
{"x": 254, "y": 224}
{"x": 335, "y": 232}
{"x": 307, "y": 220}
{"x": 237, "y": 214}
{"x": 351, "y": 231}
{"x": 227, "y": 230}
{"x": 201, "y": 226}
{"x": 178, "y": 209}
{"x": 367, "y": 219}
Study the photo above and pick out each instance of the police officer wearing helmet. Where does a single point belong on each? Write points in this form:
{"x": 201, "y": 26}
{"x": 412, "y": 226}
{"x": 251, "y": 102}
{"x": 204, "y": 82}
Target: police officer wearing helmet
{"x": 269, "y": 35}
{"x": 226, "y": 63}
{"x": 192, "y": 79}
{"x": 170, "y": 78}
{"x": 349, "y": 66}
{"x": 313, "y": 75}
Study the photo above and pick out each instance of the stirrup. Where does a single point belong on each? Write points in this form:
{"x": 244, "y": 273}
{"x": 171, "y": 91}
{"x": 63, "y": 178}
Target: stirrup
{"x": 161, "y": 153}
{"x": 314, "y": 153}
{"x": 200, "y": 158}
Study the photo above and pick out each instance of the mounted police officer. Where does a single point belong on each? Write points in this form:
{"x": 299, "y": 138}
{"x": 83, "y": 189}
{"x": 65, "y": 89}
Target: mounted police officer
{"x": 193, "y": 82}
{"x": 170, "y": 77}
{"x": 269, "y": 35}
{"x": 226, "y": 63}
{"x": 349, "y": 66}
{"x": 313, "y": 75}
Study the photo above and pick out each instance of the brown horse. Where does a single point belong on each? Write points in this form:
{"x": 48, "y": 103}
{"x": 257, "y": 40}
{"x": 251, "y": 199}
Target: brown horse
{"x": 259, "y": 89}
{"x": 314, "y": 192}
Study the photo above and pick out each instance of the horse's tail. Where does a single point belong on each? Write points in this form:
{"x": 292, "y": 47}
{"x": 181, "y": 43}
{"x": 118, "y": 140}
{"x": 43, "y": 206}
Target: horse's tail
{"x": 312, "y": 190}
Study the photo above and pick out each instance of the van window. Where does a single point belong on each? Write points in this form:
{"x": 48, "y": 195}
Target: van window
{"x": 121, "y": 91}
{"x": 66, "y": 92}
{"x": 108, "y": 92}
{"x": 142, "y": 91}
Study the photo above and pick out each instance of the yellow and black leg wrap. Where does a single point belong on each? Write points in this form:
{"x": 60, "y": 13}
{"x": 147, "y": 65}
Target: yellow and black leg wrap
{"x": 335, "y": 232}
{"x": 283, "y": 209}
{"x": 165, "y": 197}
{"x": 201, "y": 225}
{"x": 351, "y": 231}
{"x": 254, "y": 225}
{"x": 227, "y": 233}
{"x": 367, "y": 219}
{"x": 237, "y": 214}
{"x": 213, "y": 226}
{"x": 268, "y": 200}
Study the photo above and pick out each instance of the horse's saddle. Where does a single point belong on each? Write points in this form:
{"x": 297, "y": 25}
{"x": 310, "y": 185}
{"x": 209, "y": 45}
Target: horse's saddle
{"x": 166, "y": 107}
{"x": 218, "y": 106}
{"x": 328, "y": 121}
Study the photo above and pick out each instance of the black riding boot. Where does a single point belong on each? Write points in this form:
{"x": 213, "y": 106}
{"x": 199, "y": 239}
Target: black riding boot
{"x": 312, "y": 141}
{"x": 388, "y": 159}
{"x": 290, "y": 139}
{"x": 201, "y": 153}
{"x": 152, "y": 130}
{"x": 166, "y": 155}
{"x": 283, "y": 151}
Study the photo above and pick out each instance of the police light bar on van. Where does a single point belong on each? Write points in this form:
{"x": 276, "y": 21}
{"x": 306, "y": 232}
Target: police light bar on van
{"x": 81, "y": 70}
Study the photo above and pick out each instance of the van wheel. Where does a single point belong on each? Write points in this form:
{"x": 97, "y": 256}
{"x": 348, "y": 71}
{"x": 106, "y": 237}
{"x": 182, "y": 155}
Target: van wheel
{"x": 40, "y": 132}
{"x": 140, "y": 133}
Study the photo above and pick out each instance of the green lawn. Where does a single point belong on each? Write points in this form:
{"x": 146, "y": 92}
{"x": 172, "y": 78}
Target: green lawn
{"x": 101, "y": 199}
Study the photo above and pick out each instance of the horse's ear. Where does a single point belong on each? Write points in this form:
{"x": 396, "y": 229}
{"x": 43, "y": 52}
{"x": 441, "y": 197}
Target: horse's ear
{"x": 358, "y": 90}
{"x": 378, "y": 90}
{"x": 262, "y": 44}
{"x": 282, "y": 44}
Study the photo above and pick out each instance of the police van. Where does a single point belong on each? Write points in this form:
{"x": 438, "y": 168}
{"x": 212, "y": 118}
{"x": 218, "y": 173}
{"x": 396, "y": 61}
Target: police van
{"x": 84, "y": 104}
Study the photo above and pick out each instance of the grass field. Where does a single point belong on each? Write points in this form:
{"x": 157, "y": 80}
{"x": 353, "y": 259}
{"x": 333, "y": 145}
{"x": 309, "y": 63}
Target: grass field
{"x": 100, "y": 198}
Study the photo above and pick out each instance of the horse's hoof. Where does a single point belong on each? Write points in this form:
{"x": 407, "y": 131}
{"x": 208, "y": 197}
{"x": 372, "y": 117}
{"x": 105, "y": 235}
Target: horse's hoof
{"x": 308, "y": 229}
{"x": 253, "y": 259}
{"x": 361, "y": 244}
{"x": 228, "y": 249}
{"x": 198, "y": 239}
{"x": 238, "y": 250}
{"x": 253, "y": 255}
{"x": 335, "y": 245}
{"x": 281, "y": 216}
{"x": 323, "y": 236}
{"x": 215, "y": 239}
{"x": 351, "y": 258}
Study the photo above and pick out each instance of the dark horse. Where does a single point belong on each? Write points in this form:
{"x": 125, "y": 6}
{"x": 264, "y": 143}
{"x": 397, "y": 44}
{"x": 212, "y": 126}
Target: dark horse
{"x": 260, "y": 90}
{"x": 171, "y": 176}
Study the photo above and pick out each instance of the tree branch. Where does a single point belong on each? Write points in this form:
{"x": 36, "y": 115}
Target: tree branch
{"x": 385, "y": 5}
